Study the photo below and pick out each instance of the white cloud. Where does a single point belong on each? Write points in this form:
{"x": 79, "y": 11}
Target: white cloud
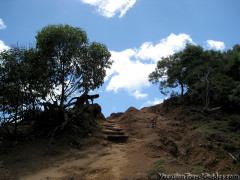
{"x": 3, "y": 46}
{"x": 154, "y": 102}
{"x": 130, "y": 72}
{"x": 164, "y": 48}
{"x": 218, "y": 45}
{"x": 127, "y": 73}
{"x": 139, "y": 95}
{"x": 109, "y": 8}
{"x": 2, "y": 25}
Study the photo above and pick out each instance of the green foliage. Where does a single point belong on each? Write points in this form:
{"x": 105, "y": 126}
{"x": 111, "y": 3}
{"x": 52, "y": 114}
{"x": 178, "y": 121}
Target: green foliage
{"x": 62, "y": 60}
{"x": 234, "y": 122}
{"x": 76, "y": 64}
{"x": 210, "y": 77}
{"x": 230, "y": 147}
{"x": 169, "y": 73}
{"x": 22, "y": 83}
{"x": 198, "y": 169}
{"x": 83, "y": 119}
{"x": 157, "y": 168}
{"x": 234, "y": 96}
{"x": 234, "y": 62}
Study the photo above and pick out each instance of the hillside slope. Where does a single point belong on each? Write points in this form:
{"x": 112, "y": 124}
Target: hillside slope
{"x": 182, "y": 139}
{"x": 167, "y": 139}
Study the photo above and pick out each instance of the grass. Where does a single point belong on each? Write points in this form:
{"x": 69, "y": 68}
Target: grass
{"x": 157, "y": 168}
{"x": 223, "y": 129}
{"x": 230, "y": 147}
{"x": 176, "y": 124}
{"x": 204, "y": 128}
{"x": 219, "y": 151}
{"x": 198, "y": 169}
{"x": 215, "y": 127}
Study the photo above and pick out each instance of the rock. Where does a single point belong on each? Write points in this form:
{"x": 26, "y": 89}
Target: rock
{"x": 116, "y": 115}
{"x": 131, "y": 109}
{"x": 101, "y": 117}
{"x": 96, "y": 109}
{"x": 171, "y": 146}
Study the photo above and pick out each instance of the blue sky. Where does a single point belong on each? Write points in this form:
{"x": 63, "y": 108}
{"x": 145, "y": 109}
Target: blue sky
{"x": 137, "y": 32}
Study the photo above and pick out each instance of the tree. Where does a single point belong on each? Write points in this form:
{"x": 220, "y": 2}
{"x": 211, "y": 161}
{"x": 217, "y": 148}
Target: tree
{"x": 23, "y": 83}
{"x": 233, "y": 71}
{"x": 210, "y": 77}
{"x": 234, "y": 62}
{"x": 234, "y": 96}
{"x": 63, "y": 58}
{"x": 169, "y": 73}
{"x": 190, "y": 58}
{"x": 206, "y": 78}
{"x": 11, "y": 96}
{"x": 76, "y": 64}
{"x": 177, "y": 69}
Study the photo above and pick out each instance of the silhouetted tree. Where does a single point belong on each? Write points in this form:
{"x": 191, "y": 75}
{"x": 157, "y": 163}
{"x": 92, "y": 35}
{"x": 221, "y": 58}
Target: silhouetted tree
{"x": 77, "y": 65}
{"x": 210, "y": 77}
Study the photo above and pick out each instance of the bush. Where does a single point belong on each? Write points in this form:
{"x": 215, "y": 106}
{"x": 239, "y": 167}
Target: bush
{"x": 234, "y": 122}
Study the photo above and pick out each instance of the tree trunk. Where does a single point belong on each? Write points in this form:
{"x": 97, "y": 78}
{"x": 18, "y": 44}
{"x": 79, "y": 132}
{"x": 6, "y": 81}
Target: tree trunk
{"x": 62, "y": 96}
{"x": 207, "y": 99}
{"x": 6, "y": 127}
{"x": 61, "y": 127}
{"x": 182, "y": 89}
{"x": 63, "y": 86}
{"x": 16, "y": 113}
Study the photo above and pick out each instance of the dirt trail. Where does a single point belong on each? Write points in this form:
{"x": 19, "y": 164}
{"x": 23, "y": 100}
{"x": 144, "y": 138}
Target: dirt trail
{"x": 107, "y": 159}
{"x": 97, "y": 163}
{"x": 135, "y": 145}
{"x": 103, "y": 160}
{"x": 133, "y": 159}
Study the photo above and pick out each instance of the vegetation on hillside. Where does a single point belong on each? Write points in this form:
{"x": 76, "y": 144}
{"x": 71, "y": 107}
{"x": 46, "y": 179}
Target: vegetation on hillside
{"x": 209, "y": 100}
{"x": 207, "y": 77}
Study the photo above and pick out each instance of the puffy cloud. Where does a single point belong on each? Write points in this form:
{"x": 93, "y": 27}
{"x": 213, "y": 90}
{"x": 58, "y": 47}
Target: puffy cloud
{"x": 129, "y": 70}
{"x": 138, "y": 95}
{"x": 154, "y": 102}
{"x": 2, "y": 25}
{"x": 164, "y": 48}
{"x": 109, "y": 8}
{"x": 218, "y": 45}
{"x": 3, "y": 46}
{"x": 128, "y": 73}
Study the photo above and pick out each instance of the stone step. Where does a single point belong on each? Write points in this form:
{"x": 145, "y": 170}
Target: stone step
{"x": 106, "y": 122}
{"x": 117, "y": 138}
{"x": 109, "y": 125}
{"x": 114, "y": 129}
{"x": 112, "y": 132}
{"x": 110, "y": 121}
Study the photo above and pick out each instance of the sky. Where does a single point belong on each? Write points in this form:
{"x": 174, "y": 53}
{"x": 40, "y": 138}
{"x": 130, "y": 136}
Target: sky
{"x": 138, "y": 33}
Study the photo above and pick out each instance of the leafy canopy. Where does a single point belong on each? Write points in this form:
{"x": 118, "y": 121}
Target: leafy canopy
{"x": 208, "y": 76}
{"x": 76, "y": 64}
{"x": 62, "y": 63}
